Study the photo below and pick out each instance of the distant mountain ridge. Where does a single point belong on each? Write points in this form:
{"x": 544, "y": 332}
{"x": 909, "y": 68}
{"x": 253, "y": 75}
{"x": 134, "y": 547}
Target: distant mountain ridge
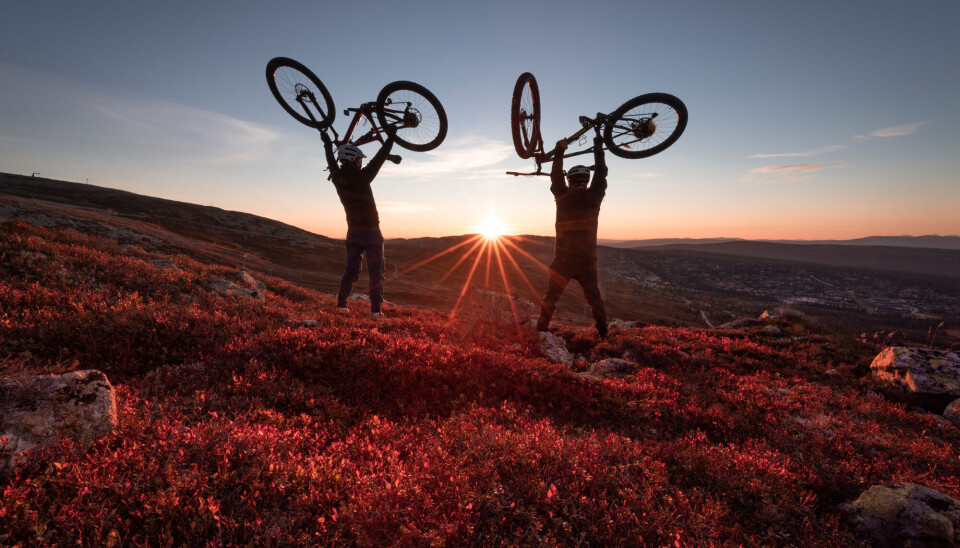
{"x": 931, "y": 241}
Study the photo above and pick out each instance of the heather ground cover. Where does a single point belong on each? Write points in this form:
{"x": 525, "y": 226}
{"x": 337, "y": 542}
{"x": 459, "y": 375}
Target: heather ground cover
{"x": 240, "y": 426}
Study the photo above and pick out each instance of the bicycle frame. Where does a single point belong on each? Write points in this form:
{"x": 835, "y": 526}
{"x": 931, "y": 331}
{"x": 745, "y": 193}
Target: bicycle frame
{"x": 363, "y": 113}
{"x": 541, "y": 157}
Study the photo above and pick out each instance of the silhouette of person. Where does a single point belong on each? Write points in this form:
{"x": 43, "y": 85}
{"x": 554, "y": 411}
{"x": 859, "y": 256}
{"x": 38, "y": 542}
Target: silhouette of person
{"x": 363, "y": 222}
{"x": 575, "y": 253}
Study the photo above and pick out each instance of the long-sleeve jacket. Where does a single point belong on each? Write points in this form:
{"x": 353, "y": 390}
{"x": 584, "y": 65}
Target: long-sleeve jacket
{"x": 353, "y": 186}
{"x": 578, "y": 209}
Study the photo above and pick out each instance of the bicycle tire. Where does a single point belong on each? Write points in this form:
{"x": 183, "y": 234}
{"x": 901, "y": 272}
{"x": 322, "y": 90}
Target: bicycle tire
{"x": 287, "y": 79}
{"x": 525, "y": 116}
{"x": 630, "y": 136}
{"x": 430, "y": 128}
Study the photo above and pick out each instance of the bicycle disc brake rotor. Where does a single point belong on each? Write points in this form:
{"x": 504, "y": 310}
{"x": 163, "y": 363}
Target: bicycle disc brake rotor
{"x": 643, "y": 129}
{"x": 412, "y": 117}
{"x": 304, "y": 92}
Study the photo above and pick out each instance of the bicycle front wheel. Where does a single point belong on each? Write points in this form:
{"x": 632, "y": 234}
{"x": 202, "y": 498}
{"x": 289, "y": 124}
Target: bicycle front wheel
{"x": 525, "y": 116}
{"x": 645, "y": 125}
{"x": 412, "y": 115}
{"x": 300, "y": 92}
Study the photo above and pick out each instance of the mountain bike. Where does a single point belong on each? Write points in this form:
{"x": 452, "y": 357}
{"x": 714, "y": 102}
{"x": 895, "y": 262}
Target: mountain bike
{"x": 406, "y": 110}
{"x": 641, "y": 127}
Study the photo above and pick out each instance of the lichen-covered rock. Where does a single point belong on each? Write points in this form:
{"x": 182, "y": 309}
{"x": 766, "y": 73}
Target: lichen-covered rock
{"x": 228, "y": 288}
{"x": 609, "y": 368}
{"x": 38, "y": 411}
{"x": 771, "y": 331}
{"x": 919, "y": 370}
{"x": 906, "y": 515}
{"x": 555, "y": 348}
{"x": 952, "y": 412}
{"x": 623, "y": 324}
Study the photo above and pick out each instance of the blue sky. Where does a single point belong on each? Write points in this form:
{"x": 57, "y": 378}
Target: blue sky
{"x": 807, "y": 119}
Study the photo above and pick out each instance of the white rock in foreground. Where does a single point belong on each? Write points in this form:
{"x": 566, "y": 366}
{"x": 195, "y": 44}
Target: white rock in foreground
{"x": 37, "y": 411}
{"x": 555, "y": 348}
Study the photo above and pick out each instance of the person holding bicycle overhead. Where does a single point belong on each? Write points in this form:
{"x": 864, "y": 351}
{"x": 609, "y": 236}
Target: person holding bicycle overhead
{"x": 575, "y": 254}
{"x": 363, "y": 222}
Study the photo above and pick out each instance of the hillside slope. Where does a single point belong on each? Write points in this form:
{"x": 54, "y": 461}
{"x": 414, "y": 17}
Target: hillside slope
{"x": 239, "y": 423}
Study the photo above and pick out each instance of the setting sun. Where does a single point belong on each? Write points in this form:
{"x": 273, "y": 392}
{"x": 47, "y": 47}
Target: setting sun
{"x": 492, "y": 227}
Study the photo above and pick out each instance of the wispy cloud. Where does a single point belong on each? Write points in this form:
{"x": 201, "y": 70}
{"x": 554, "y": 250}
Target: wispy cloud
{"x": 814, "y": 152}
{"x": 403, "y": 207}
{"x": 787, "y": 173}
{"x": 647, "y": 175}
{"x": 895, "y": 131}
{"x": 463, "y": 157}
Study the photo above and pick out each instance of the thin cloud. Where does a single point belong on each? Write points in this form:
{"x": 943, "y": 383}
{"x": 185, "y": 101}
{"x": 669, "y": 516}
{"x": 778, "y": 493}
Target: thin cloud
{"x": 895, "y": 131}
{"x": 647, "y": 175}
{"x": 787, "y": 173}
{"x": 460, "y": 157}
{"x": 403, "y": 207}
{"x": 814, "y": 152}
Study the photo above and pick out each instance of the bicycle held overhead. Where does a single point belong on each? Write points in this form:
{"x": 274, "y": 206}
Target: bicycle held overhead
{"x": 643, "y": 126}
{"x": 406, "y": 110}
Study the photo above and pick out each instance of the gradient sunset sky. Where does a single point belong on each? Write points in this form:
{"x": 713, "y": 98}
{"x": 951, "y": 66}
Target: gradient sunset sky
{"x": 808, "y": 120}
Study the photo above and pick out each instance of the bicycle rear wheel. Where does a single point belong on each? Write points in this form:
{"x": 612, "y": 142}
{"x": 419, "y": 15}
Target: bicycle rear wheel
{"x": 300, "y": 92}
{"x": 412, "y": 115}
{"x": 645, "y": 125}
{"x": 525, "y": 116}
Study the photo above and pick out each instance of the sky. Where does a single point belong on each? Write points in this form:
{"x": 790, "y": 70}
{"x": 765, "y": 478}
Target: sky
{"x": 808, "y": 120}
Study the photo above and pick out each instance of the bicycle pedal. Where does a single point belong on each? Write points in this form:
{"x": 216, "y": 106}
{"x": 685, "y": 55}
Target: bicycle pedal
{"x": 394, "y": 158}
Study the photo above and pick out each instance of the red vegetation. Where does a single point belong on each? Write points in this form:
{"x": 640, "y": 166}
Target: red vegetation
{"x": 238, "y": 427}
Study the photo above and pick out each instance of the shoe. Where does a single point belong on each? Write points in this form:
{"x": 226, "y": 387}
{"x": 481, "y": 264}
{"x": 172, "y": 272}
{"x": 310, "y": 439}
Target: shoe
{"x": 342, "y": 309}
{"x": 603, "y": 334}
{"x": 376, "y": 314}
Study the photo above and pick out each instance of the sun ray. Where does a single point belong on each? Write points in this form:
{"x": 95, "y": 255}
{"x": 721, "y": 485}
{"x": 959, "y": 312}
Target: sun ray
{"x": 506, "y": 286}
{"x": 517, "y": 266}
{"x": 527, "y": 255}
{"x": 466, "y": 284}
{"x": 435, "y": 257}
{"x": 479, "y": 242}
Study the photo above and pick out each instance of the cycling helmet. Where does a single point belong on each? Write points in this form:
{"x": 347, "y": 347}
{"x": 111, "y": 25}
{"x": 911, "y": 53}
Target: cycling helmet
{"x": 578, "y": 175}
{"x": 349, "y": 153}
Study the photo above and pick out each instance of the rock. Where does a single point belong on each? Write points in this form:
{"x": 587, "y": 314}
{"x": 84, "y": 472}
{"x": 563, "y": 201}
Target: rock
{"x": 781, "y": 313}
{"x": 304, "y": 323}
{"x": 554, "y": 348}
{"x": 163, "y": 263}
{"x": 621, "y": 324}
{"x": 251, "y": 282}
{"x": 740, "y": 323}
{"x": 37, "y": 411}
{"x": 227, "y": 288}
{"x": 609, "y": 368}
{"x": 771, "y": 331}
{"x": 933, "y": 374}
{"x": 363, "y": 297}
{"x": 952, "y": 412}
{"x": 906, "y": 515}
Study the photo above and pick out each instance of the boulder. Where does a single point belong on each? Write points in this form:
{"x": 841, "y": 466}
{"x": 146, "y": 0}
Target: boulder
{"x": 227, "y": 288}
{"x": 623, "y": 324}
{"x": 906, "y": 515}
{"x": 609, "y": 368}
{"x": 165, "y": 264}
{"x": 250, "y": 282}
{"x": 554, "y": 348}
{"x": 37, "y": 411}
{"x": 920, "y": 371}
{"x": 952, "y": 412}
{"x": 781, "y": 313}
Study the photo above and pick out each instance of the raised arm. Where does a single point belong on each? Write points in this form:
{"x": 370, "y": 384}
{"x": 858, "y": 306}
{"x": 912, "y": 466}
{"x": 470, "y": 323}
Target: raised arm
{"x": 558, "y": 185}
{"x": 373, "y": 166}
{"x": 598, "y": 187}
{"x": 328, "y": 150}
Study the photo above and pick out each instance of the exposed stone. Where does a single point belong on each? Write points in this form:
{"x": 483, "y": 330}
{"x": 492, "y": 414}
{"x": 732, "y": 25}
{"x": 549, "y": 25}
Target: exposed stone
{"x": 251, "y": 282}
{"x": 623, "y": 324}
{"x": 363, "y": 297}
{"x": 227, "y": 288}
{"x": 906, "y": 515}
{"x": 740, "y": 323}
{"x": 163, "y": 263}
{"x": 952, "y": 412}
{"x": 37, "y": 411}
{"x": 771, "y": 331}
{"x": 934, "y": 374}
{"x": 304, "y": 323}
{"x": 781, "y": 313}
{"x": 609, "y": 368}
{"x": 554, "y": 348}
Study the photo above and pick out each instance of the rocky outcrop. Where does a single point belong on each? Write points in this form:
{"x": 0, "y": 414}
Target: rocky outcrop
{"x": 920, "y": 371}
{"x": 782, "y": 312}
{"x": 554, "y": 348}
{"x": 906, "y": 515}
{"x": 609, "y": 368}
{"x": 623, "y": 324}
{"x": 37, "y": 411}
{"x": 952, "y": 412}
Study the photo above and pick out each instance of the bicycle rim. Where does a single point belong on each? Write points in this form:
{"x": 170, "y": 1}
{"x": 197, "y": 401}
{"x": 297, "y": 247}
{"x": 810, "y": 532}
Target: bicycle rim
{"x": 412, "y": 115}
{"x": 289, "y": 80}
{"x": 645, "y": 125}
{"x": 525, "y": 116}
